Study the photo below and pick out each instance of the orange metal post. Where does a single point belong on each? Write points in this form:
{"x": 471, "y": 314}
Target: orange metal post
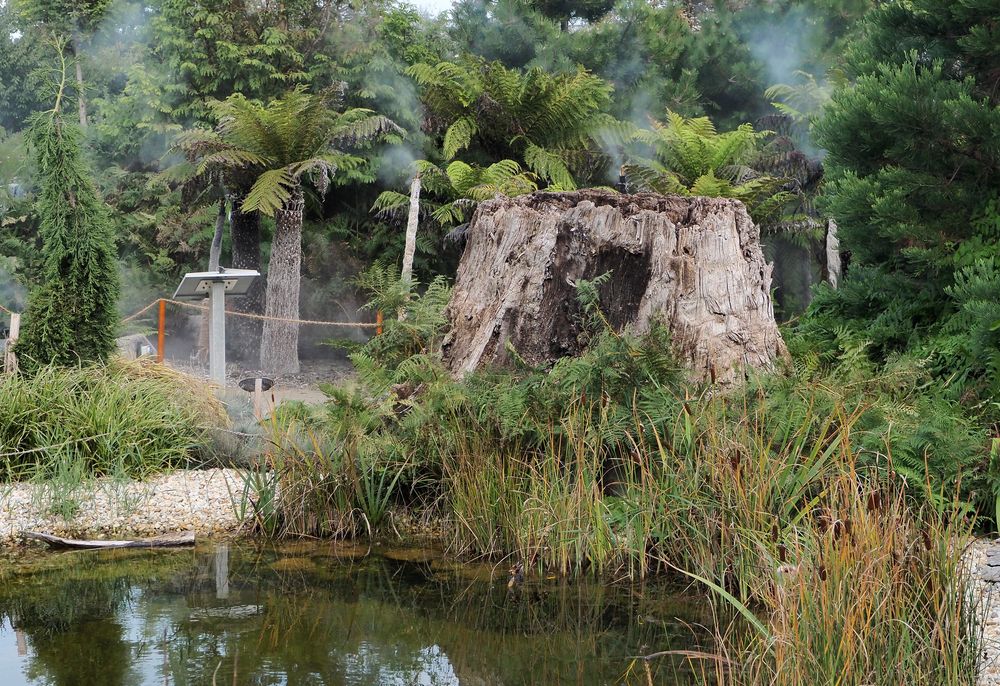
{"x": 378, "y": 322}
{"x": 161, "y": 331}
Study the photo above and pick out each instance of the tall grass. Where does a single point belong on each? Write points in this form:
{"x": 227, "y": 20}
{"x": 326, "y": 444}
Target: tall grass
{"x": 849, "y": 578}
{"x": 817, "y": 508}
{"x": 875, "y": 592}
{"x": 125, "y": 419}
{"x": 307, "y": 483}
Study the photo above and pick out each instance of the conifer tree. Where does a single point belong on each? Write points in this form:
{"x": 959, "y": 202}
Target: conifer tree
{"x": 71, "y": 315}
{"x": 912, "y": 172}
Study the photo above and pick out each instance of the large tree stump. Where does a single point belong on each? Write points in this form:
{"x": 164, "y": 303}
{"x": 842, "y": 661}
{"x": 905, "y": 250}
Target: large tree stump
{"x": 693, "y": 263}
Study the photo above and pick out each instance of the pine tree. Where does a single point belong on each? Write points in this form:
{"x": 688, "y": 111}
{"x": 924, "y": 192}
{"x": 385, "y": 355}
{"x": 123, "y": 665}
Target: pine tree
{"x": 71, "y": 315}
{"x": 914, "y": 158}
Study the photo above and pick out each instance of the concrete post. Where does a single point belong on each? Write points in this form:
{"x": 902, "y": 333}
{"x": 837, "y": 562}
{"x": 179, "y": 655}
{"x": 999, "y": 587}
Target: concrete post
{"x": 217, "y": 334}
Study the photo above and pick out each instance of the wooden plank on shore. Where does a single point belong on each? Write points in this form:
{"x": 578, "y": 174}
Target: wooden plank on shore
{"x": 165, "y": 541}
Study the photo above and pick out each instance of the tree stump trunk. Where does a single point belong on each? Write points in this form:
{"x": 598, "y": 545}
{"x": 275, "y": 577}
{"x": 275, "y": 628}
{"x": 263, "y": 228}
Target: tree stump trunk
{"x": 693, "y": 264}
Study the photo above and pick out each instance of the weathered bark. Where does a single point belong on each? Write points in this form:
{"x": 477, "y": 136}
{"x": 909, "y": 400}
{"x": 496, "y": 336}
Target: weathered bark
{"x": 693, "y": 263}
{"x": 279, "y": 345}
{"x": 244, "y": 333}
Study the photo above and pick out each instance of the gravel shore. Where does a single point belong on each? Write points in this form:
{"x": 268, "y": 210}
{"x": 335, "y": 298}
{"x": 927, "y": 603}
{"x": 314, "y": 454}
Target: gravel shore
{"x": 203, "y": 501}
{"x": 988, "y": 597}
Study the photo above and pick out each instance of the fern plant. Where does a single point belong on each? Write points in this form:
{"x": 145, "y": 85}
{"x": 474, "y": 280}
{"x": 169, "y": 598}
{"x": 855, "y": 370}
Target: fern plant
{"x": 458, "y": 189}
{"x": 689, "y": 157}
{"x": 296, "y": 140}
{"x": 542, "y": 121}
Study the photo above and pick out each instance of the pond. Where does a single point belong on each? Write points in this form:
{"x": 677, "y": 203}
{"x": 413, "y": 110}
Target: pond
{"x": 327, "y": 613}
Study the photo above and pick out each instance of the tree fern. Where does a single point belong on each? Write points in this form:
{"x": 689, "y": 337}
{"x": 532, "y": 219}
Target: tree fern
{"x": 689, "y": 157}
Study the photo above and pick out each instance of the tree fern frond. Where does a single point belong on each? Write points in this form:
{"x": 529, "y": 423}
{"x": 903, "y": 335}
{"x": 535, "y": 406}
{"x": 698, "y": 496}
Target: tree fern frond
{"x": 458, "y": 136}
{"x": 270, "y": 191}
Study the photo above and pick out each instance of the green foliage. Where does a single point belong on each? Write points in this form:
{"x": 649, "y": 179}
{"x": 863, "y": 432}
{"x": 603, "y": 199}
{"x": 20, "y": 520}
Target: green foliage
{"x": 564, "y": 10}
{"x": 217, "y": 49}
{"x": 72, "y": 315}
{"x": 503, "y": 30}
{"x": 297, "y": 137}
{"x": 122, "y": 420}
{"x": 22, "y": 56}
{"x": 912, "y": 168}
{"x": 64, "y": 16}
{"x": 689, "y": 157}
{"x": 414, "y": 331}
{"x": 545, "y": 120}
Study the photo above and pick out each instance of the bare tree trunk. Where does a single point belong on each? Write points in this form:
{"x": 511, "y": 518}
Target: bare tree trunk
{"x": 279, "y": 347}
{"x": 694, "y": 264}
{"x": 833, "y": 265}
{"x": 244, "y": 340}
{"x": 80, "y": 97}
{"x": 406, "y": 274}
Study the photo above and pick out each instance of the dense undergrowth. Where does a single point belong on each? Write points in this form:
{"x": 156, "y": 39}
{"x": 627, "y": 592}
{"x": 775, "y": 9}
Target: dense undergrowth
{"x": 829, "y": 507}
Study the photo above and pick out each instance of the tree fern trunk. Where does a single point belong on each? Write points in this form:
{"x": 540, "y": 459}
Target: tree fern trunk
{"x": 833, "y": 264}
{"x": 279, "y": 348}
{"x": 244, "y": 333}
{"x": 214, "y": 255}
{"x": 411, "y": 230}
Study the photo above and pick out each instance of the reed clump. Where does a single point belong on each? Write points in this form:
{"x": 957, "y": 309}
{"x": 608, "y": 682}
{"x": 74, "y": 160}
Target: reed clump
{"x": 122, "y": 419}
{"x": 874, "y": 591}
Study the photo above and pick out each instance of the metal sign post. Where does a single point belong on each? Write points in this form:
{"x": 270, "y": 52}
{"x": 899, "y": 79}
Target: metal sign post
{"x": 216, "y": 286}
{"x": 217, "y": 333}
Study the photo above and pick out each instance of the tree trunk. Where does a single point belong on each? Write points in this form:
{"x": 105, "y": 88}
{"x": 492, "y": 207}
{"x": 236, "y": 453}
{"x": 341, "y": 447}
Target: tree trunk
{"x": 80, "y": 97}
{"x": 406, "y": 274}
{"x": 694, "y": 264}
{"x": 244, "y": 336}
{"x": 214, "y": 254}
{"x": 215, "y": 251}
{"x": 833, "y": 265}
{"x": 279, "y": 346}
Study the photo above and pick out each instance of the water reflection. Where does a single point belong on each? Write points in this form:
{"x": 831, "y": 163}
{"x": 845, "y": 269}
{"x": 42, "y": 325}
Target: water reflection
{"x": 320, "y": 613}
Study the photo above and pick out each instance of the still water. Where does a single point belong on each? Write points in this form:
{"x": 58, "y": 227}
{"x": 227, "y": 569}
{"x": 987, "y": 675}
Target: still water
{"x": 305, "y": 614}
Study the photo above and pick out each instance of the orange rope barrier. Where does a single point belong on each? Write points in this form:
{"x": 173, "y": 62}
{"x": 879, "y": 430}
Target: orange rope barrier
{"x": 248, "y": 315}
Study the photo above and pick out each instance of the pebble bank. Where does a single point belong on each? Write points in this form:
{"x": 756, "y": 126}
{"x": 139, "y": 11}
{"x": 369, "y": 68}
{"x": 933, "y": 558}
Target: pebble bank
{"x": 203, "y": 501}
{"x": 983, "y": 558}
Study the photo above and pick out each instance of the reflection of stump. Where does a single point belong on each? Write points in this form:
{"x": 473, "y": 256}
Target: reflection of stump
{"x": 693, "y": 263}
